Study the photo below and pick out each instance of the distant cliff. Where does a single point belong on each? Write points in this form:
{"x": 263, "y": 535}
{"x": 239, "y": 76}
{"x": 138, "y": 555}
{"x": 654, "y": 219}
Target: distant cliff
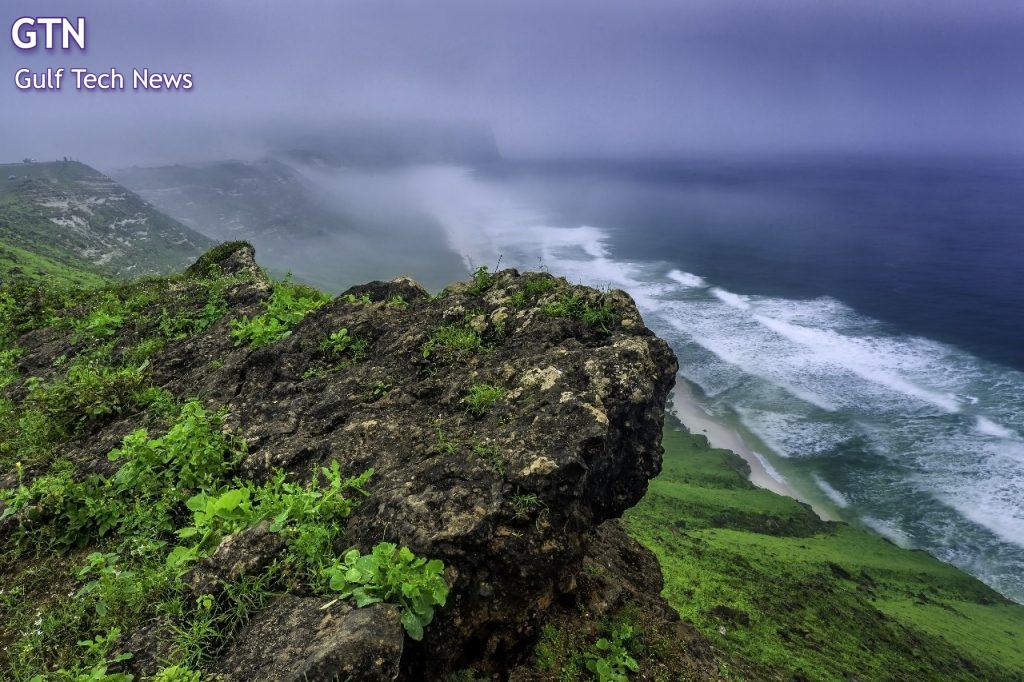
{"x": 72, "y": 214}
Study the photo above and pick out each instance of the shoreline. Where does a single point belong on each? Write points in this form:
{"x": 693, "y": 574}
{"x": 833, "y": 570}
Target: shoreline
{"x": 697, "y": 420}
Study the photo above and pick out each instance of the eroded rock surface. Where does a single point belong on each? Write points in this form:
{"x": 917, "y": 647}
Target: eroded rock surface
{"x": 511, "y": 497}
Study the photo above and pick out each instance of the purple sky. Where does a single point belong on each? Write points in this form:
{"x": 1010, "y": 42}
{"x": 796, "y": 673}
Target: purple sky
{"x": 550, "y": 78}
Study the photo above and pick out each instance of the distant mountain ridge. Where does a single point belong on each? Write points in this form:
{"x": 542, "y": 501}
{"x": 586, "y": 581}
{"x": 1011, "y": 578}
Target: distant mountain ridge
{"x": 263, "y": 201}
{"x": 77, "y": 216}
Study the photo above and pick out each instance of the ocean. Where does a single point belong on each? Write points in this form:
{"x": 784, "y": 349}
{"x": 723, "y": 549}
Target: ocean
{"x": 859, "y": 322}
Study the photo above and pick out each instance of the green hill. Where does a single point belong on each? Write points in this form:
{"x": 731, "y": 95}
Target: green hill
{"x": 783, "y": 595}
{"x": 73, "y": 215}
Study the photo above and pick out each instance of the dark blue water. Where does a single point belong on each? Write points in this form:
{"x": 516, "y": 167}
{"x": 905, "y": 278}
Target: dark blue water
{"x": 934, "y": 247}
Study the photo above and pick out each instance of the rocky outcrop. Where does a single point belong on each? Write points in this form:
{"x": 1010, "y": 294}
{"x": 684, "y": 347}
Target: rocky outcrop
{"x": 514, "y": 497}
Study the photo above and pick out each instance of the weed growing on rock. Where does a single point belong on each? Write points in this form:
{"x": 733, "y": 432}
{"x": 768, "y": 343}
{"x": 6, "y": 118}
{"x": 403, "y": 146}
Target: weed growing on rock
{"x": 481, "y": 396}
{"x": 397, "y": 576}
{"x": 491, "y": 456}
{"x": 609, "y": 658}
{"x": 453, "y": 340}
{"x": 525, "y": 503}
{"x": 397, "y": 302}
{"x": 289, "y": 303}
{"x": 533, "y": 287}
{"x": 574, "y": 306}
{"x": 342, "y": 350}
{"x": 377, "y": 391}
{"x": 358, "y": 300}
{"x": 483, "y": 280}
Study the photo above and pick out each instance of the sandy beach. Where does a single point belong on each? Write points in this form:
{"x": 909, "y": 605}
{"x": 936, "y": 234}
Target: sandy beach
{"x": 697, "y": 420}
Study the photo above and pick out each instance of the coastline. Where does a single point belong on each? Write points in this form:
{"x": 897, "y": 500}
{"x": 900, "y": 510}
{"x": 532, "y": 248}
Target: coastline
{"x": 719, "y": 435}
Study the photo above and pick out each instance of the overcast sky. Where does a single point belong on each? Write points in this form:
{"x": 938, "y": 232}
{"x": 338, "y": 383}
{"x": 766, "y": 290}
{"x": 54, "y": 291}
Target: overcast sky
{"x": 550, "y": 78}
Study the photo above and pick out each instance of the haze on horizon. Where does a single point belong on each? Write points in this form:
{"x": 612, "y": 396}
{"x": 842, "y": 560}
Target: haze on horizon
{"x": 576, "y": 78}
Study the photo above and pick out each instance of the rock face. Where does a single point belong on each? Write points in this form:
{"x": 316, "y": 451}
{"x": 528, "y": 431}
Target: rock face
{"x": 512, "y": 497}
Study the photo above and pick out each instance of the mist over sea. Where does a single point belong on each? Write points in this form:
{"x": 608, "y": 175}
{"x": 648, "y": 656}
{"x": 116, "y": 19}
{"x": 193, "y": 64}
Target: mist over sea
{"x": 861, "y": 324}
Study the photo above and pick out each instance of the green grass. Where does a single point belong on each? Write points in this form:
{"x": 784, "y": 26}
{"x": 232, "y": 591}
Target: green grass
{"x": 481, "y": 396}
{"x": 70, "y": 272}
{"x": 454, "y": 340}
{"x": 782, "y": 594}
{"x": 571, "y": 305}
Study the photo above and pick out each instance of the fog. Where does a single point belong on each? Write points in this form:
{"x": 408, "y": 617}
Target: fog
{"x": 574, "y": 78}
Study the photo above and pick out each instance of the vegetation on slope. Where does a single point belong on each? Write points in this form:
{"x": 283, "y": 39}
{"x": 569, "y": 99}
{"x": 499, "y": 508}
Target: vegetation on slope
{"x": 72, "y": 214}
{"x": 783, "y": 595}
{"x": 96, "y": 552}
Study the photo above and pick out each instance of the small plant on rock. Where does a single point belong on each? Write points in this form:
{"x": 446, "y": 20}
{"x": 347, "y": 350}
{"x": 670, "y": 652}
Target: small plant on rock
{"x": 393, "y": 575}
{"x": 609, "y": 659}
{"x": 288, "y": 305}
{"x": 481, "y": 397}
{"x": 453, "y": 339}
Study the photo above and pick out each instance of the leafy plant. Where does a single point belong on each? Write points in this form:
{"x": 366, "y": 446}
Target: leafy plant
{"x": 609, "y": 659}
{"x": 194, "y": 454}
{"x": 95, "y": 666}
{"x": 481, "y": 397}
{"x": 288, "y": 304}
{"x": 482, "y": 280}
{"x": 176, "y": 673}
{"x": 397, "y": 302}
{"x": 390, "y": 574}
{"x": 344, "y": 348}
{"x": 89, "y": 391}
{"x": 358, "y": 300}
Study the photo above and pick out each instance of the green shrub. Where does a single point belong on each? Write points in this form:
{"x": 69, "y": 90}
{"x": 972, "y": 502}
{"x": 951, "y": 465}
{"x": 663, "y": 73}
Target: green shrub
{"x": 481, "y": 397}
{"x": 157, "y": 473}
{"x": 194, "y": 454}
{"x": 90, "y": 391}
{"x": 397, "y": 576}
{"x": 309, "y": 516}
{"x": 27, "y": 304}
{"x": 288, "y": 304}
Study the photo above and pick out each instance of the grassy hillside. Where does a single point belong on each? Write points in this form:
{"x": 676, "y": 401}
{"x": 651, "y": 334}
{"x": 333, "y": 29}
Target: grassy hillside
{"x": 786, "y": 596}
{"x": 59, "y": 269}
{"x": 71, "y": 213}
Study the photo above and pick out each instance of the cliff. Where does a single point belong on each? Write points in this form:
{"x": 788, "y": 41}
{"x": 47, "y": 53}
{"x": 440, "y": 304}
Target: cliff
{"x": 215, "y": 473}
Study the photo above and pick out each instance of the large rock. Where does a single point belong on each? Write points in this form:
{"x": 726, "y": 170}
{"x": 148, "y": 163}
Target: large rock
{"x": 508, "y": 498}
{"x": 297, "y": 639}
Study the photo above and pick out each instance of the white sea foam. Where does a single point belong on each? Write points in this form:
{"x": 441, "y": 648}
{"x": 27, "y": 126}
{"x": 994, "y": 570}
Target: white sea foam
{"x": 768, "y": 468}
{"x": 837, "y": 497}
{"x": 727, "y": 297}
{"x": 686, "y": 279}
{"x": 987, "y": 427}
{"x": 887, "y": 529}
